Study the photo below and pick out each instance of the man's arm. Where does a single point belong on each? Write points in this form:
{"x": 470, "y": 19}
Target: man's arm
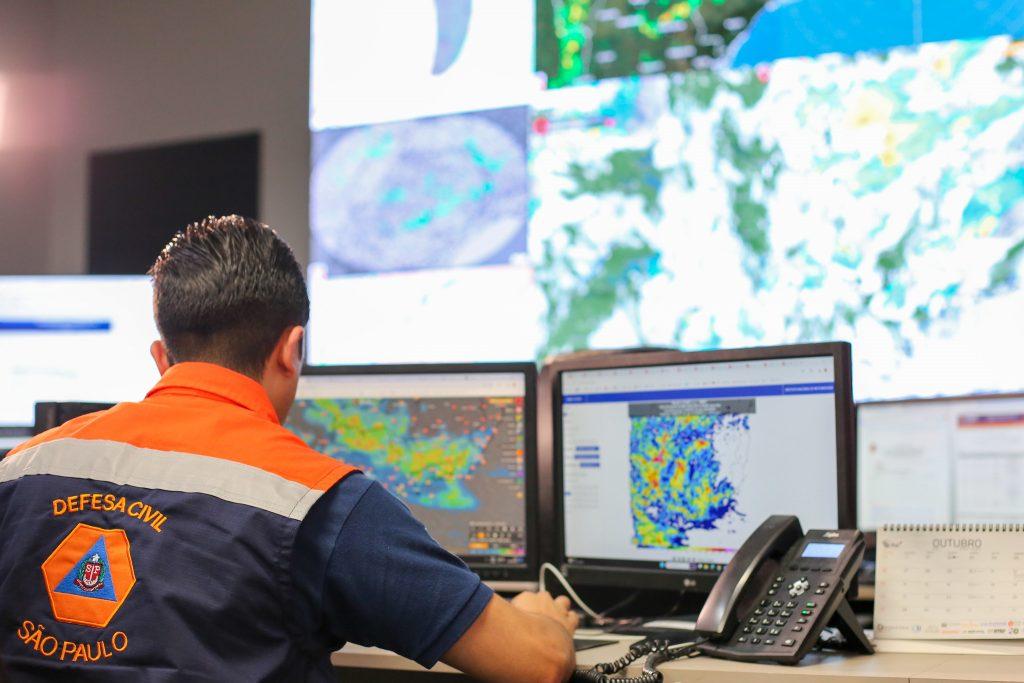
{"x": 525, "y": 640}
{"x": 367, "y": 572}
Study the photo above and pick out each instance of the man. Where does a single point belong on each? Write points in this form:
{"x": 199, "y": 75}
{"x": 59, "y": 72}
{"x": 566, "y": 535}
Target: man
{"x": 191, "y": 537}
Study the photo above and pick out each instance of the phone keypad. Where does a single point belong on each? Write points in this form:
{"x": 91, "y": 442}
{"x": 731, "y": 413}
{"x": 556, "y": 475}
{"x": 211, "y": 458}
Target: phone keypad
{"x": 783, "y": 621}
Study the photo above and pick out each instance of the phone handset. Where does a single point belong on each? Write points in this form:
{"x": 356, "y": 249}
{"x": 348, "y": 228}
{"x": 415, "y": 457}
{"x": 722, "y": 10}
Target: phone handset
{"x": 761, "y": 553}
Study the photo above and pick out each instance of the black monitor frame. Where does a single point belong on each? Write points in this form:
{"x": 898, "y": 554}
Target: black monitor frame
{"x": 701, "y": 580}
{"x": 526, "y": 573}
{"x": 870, "y": 536}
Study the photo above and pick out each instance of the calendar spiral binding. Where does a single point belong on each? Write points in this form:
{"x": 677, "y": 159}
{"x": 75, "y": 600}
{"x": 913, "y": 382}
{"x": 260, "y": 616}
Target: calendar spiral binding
{"x": 954, "y": 528}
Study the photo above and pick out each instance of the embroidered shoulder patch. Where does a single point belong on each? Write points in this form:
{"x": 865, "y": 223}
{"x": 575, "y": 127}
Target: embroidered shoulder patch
{"x": 89, "y": 575}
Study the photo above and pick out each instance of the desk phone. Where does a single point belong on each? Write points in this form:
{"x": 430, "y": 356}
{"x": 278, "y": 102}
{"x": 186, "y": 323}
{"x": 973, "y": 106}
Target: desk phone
{"x": 780, "y": 590}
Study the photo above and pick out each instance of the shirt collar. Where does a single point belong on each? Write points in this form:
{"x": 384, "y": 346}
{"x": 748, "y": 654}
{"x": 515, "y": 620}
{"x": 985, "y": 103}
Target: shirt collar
{"x": 218, "y": 383}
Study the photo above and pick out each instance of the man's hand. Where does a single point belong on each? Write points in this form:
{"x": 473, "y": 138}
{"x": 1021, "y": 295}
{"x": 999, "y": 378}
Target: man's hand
{"x": 525, "y": 640}
{"x": 542, "y": 603}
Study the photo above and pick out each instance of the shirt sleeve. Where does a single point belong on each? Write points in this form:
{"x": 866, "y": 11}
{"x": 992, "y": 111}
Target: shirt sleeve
{"x": 368, "y": 572}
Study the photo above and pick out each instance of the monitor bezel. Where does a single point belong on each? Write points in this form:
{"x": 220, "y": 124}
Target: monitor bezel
{"x": 870, "y": 535}
{"x": 526, "y": 573}
{"x": 701, "y": 580}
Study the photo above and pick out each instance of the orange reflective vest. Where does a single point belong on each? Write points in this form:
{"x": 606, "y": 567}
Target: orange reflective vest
{"x": 153, "y": 541}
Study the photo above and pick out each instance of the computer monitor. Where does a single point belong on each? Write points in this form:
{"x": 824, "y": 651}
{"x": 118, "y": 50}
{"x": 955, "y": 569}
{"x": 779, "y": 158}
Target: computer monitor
{"x": 9, "y": 441}
{"x": 941, "y": 461}
{"x": 52, "y": 414}
{"x": 73, "y": 338}
{"x": 455, "y": 442}
{"x": 666, "y": 462}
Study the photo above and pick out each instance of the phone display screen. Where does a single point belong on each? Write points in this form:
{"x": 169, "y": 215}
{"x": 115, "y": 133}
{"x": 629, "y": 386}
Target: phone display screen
{"x": 823, "y": 550}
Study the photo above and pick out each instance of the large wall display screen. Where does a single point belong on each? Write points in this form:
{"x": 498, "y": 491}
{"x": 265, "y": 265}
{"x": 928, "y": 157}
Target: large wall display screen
{"x": 529, "y": 178}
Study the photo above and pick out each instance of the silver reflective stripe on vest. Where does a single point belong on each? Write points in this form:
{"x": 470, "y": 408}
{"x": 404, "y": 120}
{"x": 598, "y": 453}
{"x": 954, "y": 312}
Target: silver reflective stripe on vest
{"x": 124, "y": 464}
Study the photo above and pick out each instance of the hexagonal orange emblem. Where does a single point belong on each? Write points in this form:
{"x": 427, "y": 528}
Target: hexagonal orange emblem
{"x": 89, "y": 575}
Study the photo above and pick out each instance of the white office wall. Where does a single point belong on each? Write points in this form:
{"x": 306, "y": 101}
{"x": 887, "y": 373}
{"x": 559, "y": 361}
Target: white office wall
{"x": 141, "y": 72}
{"x": 26, "y": 94}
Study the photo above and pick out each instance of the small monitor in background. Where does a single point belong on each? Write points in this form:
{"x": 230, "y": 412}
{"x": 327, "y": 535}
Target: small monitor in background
{"x": 73, "y": 338}
{"x": 940, "y": 461}
{"x": 455, "y": 443}
{"x": 666, "y": 462}
{"x": 51, "y": 414}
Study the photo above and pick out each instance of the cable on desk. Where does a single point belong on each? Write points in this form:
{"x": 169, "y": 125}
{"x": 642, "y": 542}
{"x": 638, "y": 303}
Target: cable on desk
{"x": 548, "y": 567}
{"x": 657, "y": 652}
{"x": 603, "y": 619}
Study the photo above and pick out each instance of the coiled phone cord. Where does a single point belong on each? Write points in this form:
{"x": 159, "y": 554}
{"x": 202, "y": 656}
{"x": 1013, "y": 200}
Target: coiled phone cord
{"x": 657, "y": 651}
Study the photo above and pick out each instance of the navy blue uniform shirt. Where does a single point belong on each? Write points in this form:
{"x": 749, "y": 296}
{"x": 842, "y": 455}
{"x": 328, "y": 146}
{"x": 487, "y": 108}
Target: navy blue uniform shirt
{"x": 367, "y": 572}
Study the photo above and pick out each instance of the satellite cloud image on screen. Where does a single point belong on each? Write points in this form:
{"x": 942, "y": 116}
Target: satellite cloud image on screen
{"x": 689, "y": 173}
{"x": 875, "y": 197}
{"x": 428, "y": 193}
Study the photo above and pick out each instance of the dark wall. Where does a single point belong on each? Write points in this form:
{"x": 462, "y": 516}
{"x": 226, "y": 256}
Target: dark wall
{"x": 138, "y": 198}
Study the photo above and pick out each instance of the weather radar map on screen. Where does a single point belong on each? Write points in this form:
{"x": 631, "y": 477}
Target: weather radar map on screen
{"x": 676, "y": 481}
{"x": 699, "y": 174}
{"x": 424, "y": 451}
{"x": 457, "y": 461}
{"x": 584, "y": 40}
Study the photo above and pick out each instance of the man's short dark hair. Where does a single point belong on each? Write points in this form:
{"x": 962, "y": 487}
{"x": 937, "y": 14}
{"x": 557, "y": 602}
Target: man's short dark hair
{"x": 225, "y": 289}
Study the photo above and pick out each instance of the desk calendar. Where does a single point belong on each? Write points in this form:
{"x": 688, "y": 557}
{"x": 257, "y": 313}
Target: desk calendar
{"x": 950, "y": 582}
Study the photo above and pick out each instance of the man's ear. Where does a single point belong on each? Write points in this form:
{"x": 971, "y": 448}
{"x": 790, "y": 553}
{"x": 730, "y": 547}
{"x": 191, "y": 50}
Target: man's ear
{"x": 160, "y": 356}
{"x": 290, "y": 350}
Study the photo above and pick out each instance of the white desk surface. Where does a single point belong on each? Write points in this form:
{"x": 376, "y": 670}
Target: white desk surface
{"x": 835, "y": 668}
